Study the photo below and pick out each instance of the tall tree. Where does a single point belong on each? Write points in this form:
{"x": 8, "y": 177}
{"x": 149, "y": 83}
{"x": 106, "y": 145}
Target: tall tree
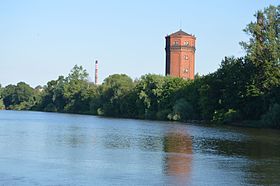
{"x": 74, "y": 90}
{"x": 149, "y": 90}
{"x": 263, "y": 49}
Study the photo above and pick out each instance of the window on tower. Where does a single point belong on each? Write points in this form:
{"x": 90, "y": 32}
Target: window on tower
{"x": 186, "y": 57}
{"x": 176, "y": 43}
{"x": 186, "y": 43}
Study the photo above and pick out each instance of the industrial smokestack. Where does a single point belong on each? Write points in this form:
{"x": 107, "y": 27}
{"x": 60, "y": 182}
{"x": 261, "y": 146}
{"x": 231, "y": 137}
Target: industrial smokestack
{"x": 96, "y": 72}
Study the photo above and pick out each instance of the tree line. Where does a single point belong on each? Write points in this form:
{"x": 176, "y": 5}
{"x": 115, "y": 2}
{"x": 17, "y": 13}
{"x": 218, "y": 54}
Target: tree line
{"x": 244, "y": 90}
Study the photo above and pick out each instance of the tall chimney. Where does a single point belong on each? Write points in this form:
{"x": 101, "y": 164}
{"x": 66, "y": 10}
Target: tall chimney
{"x": 96, "y": 72}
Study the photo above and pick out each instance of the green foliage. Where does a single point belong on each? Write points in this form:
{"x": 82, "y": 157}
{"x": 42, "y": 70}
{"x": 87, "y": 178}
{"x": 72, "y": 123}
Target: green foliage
{"x": 263, "y": 49}
{"x": 114, "y": 89}
{"x": 182, "y": 111}
{"x": 18, "y": 97}
{"x": 75, "y": 91}
{"x": 149, "y": 92}
{"x": 263, "y": 57}
{"x": 71, "y": 94}
{"x": 53, "y": 96}
{"x": 77, "y": 74}
{"x": 170, "y": 94}
{"x": 209, "y": 96}
{"x": 272, "y": 117}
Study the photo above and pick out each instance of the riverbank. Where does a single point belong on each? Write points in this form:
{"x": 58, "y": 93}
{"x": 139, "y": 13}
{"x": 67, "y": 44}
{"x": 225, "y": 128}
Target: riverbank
{"x": 245, "y": 124}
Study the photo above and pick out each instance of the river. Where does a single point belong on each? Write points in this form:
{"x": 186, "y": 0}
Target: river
{"x": 39, "y": 148}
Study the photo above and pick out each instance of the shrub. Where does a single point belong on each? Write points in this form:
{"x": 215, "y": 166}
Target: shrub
{"x": 182, "y": 111}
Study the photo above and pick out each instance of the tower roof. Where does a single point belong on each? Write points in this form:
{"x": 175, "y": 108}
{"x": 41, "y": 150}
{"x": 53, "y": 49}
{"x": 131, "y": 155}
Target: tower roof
{"x": 180, "y": 32}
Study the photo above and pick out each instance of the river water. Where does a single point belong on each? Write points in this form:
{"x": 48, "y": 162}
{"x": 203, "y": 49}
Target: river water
{"x": 63, "y": 149}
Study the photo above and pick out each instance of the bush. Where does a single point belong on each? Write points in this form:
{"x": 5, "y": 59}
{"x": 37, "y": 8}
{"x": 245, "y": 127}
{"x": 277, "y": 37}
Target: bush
{"x": 182, "y": 111}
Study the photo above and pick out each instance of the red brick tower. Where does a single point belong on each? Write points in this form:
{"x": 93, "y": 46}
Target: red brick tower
{"x": 180, "y": 55}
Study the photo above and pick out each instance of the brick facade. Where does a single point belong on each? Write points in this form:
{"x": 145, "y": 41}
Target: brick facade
{"x": 180, "y": 55}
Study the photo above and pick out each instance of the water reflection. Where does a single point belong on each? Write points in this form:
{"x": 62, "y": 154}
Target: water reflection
{"x": 116, "y": 141}
{"x": 250, "y": 148}
{"x": 73, "y": 137}
{"x": 60, "y": 149}
{"x": 178, "y": 148}
{"x": 255, "y": 157}
{"x": 150, "y": 143}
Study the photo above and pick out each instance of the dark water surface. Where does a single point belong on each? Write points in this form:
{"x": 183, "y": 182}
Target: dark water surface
{"x": 62, "y": 149}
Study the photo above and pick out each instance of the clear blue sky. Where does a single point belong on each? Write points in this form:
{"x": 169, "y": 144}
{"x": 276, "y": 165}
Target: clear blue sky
{"x": 40, "y": 40}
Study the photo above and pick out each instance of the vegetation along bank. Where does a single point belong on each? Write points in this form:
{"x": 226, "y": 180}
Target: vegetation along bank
{"x": 243, "y": 90}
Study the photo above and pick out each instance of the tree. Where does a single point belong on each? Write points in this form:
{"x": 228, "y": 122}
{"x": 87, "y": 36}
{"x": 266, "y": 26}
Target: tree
{"x": 52, "y": 99}
{"x": 263, "y": 53}
{"x": 75, "y": 91}
{"x": 20, "y": 96}
{"x": 235, "y": 75}
{"x": 170, "y": 94}
{"x": 9, "y": 97}
{"x": 263, "y": 49}
{"x": 113, "y": 91}
{"x": 71, "y": 94}
{"x": 149, "y": 93}
{"x": 77, "y": 74}
{"x": 209, "y": 96}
